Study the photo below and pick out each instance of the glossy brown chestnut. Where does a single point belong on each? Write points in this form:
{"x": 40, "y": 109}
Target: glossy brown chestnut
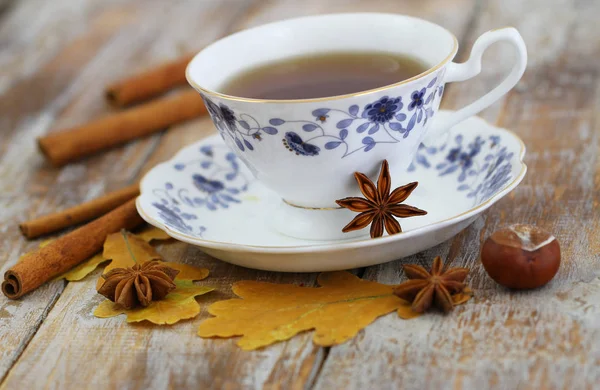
{"x": 521, "y": 256}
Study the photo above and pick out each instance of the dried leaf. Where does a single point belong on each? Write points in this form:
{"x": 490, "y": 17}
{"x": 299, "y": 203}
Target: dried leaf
{"x": 83, "y": 269}
{"x": 406, "y": 312}
{"x": 188, "y": 272}
{"x": 151, "y": 233}
{"x": 267, "y": 312}
{"x": 179, "y": 305}
{"x": 148, "y": 233}
{"x": 125, "y": 250}
{"x": 462, "y": 297}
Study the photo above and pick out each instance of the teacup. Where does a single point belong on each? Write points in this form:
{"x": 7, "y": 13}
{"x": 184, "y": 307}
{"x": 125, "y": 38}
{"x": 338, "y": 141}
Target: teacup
{"x": 307, "y": 150}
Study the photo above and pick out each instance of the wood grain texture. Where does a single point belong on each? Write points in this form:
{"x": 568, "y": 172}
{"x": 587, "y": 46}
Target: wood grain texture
{"x": 542, "y": 339}
{"x": 26, "y": 111}
{"x": 65, "y": 90}
{"x": 546, "y": 338}
{"x": 291, "y": 364}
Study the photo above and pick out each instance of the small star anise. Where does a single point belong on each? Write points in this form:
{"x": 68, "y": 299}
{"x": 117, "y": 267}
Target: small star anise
{"x": 138, "y": 285}
{"x": 380, "y": 206}
{"x": 434, "y": 287}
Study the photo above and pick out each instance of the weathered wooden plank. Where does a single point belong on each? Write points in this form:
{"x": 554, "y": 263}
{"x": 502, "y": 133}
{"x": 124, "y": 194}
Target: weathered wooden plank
{"x": 45, "y": 28}
{"x": 548, "y": 338}
{"x": 24, "y": 113}
{"x": 40, "y": 101}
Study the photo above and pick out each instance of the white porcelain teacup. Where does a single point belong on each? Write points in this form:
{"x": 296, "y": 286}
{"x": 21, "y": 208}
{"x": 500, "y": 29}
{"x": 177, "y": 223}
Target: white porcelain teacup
{"x": 307, "y": 150}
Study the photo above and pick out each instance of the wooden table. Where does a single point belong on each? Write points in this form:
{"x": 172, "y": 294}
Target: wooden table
{"x": 56, "y": 57}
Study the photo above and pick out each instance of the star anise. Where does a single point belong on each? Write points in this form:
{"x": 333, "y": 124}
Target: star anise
{"x": 379, "y": 207}
{"x": 138, "y": 285}
{"x": 434, "y": 287}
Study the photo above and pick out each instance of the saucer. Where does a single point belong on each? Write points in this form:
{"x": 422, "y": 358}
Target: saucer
{"x": 207, "y": 197}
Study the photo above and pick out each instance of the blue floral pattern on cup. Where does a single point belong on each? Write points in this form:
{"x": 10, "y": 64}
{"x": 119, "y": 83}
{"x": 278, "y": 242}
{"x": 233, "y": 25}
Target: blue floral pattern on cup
{"x": 218, "y": 182}
{"x": 479, "y": 178}
{"x": 392, "y": 118}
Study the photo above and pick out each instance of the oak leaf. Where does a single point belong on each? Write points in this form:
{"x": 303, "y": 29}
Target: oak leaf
{"x": 188, "y": 272}
{"x": 84, "y": 269}
{"x": 126, "y": 249}
{"x": 268, "y": 312}
{"x": 148, "y": 234}
{"x": 180, "y": 304}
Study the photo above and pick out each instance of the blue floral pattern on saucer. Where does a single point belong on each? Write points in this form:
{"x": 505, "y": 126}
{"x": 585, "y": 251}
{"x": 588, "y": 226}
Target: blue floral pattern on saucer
{"x": 392, "y": 118}
{"x": 479, "y": 178}
{"x": 217, "y": 182}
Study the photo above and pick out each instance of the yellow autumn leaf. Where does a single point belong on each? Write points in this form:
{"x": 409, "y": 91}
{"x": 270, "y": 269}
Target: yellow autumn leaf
{"x": 148, "y": 233}
{"x": 151, "y": 233}
{"x": 188, "y": 272}
{"x": 268, "y": 312}
{"x": 462, "y": 297}
{"x": 84, "y": 269}
{"x": 180, "y": 304}
{"x": 125, "y": 249}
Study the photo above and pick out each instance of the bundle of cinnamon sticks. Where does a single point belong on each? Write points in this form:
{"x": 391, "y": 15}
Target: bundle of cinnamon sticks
{"x": 114, "y": 211}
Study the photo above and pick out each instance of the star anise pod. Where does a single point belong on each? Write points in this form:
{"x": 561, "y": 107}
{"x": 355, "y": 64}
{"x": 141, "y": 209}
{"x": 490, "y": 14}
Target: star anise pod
{"x": 138, "y": 285}
{"x": 379, "y": 207}
{"x": 434, "y": 287}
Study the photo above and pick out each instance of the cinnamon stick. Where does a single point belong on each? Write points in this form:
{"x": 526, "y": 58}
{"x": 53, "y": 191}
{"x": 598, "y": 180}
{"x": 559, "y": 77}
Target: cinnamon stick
{"x": 69, "y": 145}
{"x": 67, "y": 251}
{"x": 148, "y": 84}
{"x": 81, "y": 213}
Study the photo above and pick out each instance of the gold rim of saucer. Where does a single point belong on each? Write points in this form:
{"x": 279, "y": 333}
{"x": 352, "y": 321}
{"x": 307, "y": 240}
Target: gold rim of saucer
{"x": 322, "y": 99}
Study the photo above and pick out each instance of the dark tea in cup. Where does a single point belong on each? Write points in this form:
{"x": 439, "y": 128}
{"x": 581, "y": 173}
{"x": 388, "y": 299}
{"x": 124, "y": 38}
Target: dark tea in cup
{"x": 323, "y": 75}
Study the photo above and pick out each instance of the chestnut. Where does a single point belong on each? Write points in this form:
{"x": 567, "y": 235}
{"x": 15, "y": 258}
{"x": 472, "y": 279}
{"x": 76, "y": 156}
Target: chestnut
{"x": 521, "y": 256}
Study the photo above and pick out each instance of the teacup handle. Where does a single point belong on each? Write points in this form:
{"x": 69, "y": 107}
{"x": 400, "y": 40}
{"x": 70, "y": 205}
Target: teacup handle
{"x": 472, "y": 67}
